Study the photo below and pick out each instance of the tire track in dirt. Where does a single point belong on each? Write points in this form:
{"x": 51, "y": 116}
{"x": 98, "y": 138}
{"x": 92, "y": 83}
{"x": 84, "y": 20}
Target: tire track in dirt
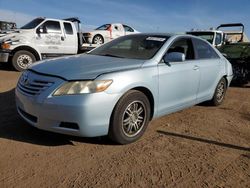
{"x": 235, "y": 174}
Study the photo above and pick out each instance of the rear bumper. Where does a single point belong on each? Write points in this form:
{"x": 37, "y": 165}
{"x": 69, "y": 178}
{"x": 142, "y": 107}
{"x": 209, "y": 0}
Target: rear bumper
{"x": 88, "y": 39}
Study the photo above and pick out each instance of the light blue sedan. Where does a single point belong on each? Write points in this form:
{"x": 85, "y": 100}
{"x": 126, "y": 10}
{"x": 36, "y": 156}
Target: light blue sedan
{"x": 118, "y": 88}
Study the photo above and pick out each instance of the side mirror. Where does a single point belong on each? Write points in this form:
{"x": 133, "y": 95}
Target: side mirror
{"x": 225, "y": 55}
{"x": 41, "y": 30}
{"x": 174, "y": 57}
{"x": 38, "y": 30}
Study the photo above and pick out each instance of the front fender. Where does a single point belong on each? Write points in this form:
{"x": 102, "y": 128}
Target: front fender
{"x": 124, "y": 81}
{"x": 27, "y": 47}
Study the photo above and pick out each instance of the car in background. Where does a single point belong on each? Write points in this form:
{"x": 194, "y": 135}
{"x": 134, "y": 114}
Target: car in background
{"x": 108, "y": 32}
{"x": 117, "y": 88}
{"x": 42, "y": 38}
{"x": 6, "y": 26}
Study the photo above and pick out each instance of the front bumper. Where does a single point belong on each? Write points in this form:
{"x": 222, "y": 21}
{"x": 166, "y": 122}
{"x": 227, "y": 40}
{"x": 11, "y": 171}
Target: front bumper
{"x": 4, "y": 57}
{"x": 90, "y": 112}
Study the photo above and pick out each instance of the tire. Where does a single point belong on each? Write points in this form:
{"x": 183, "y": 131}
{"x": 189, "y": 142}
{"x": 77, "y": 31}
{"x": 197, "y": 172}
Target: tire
{"x": 22, "y": 59}
{"x": 98, "y": 39}
{"x": 219, "y": 93}
{"x": 130, "y": 118}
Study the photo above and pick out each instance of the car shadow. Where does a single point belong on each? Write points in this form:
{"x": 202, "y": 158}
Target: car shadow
{"x": 6, "y": 67}
{"x": 238, "y": 85}
{"x": 203, "y": 140}
{"x": 13, "y": 127}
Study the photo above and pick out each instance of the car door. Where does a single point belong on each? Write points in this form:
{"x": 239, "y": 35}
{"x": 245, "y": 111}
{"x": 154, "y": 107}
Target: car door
{"x": 210, "y": 66}
{"x": 178, "y": 81}
{"x": 69, "y": 40}
{"x": 49, "y": 37}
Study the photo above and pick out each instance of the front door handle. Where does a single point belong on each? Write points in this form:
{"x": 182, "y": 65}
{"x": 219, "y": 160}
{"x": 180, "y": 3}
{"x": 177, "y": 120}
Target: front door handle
{"x": 62, "y": 38}
{"x": 196, "y": 67}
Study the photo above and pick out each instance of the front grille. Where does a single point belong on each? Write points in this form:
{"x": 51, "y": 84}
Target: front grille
{"x": 31, "y": 86}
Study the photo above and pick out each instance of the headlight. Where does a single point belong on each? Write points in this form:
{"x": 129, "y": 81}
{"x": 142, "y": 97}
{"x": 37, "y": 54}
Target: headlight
{"x": 80, "y": 87}
{"x": 5, "y": 45}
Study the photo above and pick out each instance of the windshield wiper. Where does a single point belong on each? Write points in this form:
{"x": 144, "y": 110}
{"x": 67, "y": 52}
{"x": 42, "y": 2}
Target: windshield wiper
{"x": 111, "y": 55}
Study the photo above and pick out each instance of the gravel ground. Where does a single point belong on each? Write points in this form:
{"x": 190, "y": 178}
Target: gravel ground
{"x": 198, "y": 147}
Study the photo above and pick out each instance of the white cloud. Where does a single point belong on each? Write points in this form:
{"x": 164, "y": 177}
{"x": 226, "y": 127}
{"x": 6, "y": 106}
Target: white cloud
{"x": 19, "y": 18}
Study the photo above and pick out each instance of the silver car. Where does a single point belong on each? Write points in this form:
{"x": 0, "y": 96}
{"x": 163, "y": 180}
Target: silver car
{"x": 118, "y": 88}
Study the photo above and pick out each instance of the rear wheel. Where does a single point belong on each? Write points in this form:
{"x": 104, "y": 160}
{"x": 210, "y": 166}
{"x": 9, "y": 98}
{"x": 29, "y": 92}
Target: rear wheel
{"x": 130, "y": 118}
{"x": 22, "y": 60}
{"x": 219, "y": 93}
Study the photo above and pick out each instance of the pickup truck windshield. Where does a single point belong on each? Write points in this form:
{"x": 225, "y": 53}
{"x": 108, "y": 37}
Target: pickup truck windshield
{"x": 208, "y": 36}
{"x": 132, "y": 47}
{"x": 33, "y": 23}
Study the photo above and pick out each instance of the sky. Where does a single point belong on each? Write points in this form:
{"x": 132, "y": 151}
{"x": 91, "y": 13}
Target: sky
{"x": 143, "y": 15}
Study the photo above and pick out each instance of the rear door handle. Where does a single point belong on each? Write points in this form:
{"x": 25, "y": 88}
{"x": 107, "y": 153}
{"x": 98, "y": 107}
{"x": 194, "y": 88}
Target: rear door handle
{"x": 196, "y": 67}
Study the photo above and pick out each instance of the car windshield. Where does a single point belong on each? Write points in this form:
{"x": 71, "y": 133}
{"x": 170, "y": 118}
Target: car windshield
{"x": 236, "y": 51}
{"x": 208, "y": 36}
{"x": 132, "y": 47}
{"x": 103, "y": 27}
{"x": 33, "y": 23}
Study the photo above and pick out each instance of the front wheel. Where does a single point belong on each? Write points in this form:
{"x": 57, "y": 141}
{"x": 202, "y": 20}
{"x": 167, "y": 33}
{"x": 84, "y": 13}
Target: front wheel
{"x": 219, "y": 93}
{"x": 130, "y": 118}
{"x": 98, "y": 39}
{"x": 22, "y": 60}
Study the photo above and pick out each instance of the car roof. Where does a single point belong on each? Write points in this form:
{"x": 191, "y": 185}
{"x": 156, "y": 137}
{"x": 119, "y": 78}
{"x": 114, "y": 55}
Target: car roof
{"x": 53, "y": 19}
{"x": 169, "y": 35}
{"x": 157, "y": 34}
{"x": 205, "y": 31}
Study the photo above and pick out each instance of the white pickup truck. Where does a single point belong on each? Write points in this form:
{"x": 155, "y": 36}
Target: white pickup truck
{"x": 108, "y": 32}
{"x": 219, "y": 36}
{"x": 40, "y": 39}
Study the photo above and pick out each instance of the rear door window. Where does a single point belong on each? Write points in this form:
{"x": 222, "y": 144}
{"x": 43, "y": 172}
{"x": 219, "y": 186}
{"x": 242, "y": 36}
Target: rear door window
{"x": 68, "y": 28}
{"x": 128, "y": 29}
{"x": 204, "y": 50}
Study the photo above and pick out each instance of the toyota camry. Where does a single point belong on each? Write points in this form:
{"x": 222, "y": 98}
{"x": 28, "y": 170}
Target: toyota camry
{"x": 117, "y": 88}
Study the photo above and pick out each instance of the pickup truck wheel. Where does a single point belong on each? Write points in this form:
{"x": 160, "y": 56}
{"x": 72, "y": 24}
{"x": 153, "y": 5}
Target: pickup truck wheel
{"x": 22, "y": 59}
{"x": 219, "y": 93}
{"x": 98, "y": 39}
{"x": 130, "y": 118}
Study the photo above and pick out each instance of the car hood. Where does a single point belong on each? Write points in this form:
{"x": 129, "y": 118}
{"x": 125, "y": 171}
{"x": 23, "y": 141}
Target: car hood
{"x": 85, "y": 66}
{"x": 16, "y": 36}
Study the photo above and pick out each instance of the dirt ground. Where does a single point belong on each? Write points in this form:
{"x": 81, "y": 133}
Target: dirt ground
{"x": 198, "y": 147}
